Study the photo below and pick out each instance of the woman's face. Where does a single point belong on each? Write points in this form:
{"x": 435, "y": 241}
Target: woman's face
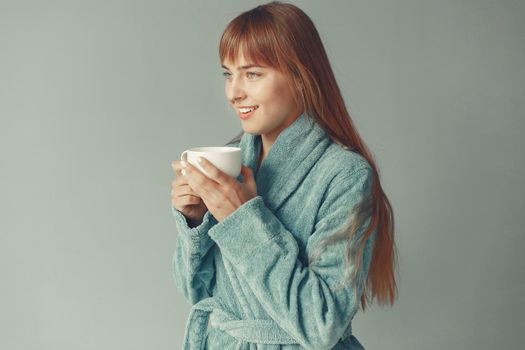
{"x": 264, "y": 87}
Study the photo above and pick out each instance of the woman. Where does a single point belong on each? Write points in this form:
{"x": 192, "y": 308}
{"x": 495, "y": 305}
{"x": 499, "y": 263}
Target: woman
{"x": 283, "y": 259}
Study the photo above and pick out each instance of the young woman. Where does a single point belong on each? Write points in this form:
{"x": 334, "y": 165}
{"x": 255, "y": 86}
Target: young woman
{"x": 284, "y": 258}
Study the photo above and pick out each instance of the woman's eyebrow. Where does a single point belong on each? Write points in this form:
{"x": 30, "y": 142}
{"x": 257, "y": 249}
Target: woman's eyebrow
{"x": 243, "y": 67}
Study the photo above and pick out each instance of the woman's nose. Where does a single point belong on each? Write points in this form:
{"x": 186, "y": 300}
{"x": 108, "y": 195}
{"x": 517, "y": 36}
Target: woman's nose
{"x": 235, "y": 90}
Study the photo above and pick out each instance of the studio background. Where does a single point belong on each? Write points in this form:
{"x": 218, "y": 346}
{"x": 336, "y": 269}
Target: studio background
{"x": 98, "y": 97}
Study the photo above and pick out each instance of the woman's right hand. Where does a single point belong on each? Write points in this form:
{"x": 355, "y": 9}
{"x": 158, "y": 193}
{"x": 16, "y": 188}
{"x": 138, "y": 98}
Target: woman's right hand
{"x": 184, "y": 199}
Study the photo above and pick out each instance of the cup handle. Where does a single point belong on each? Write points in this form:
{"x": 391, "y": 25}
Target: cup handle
{"x": 184, "y": 156}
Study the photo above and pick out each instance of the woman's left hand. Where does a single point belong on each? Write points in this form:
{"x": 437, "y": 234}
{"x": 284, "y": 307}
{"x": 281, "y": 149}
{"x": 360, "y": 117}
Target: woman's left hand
{"x": 221, "y": 193}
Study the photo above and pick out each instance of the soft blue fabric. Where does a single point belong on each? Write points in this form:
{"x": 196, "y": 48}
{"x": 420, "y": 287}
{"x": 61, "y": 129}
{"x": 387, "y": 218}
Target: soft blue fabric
{"x": 248, "y": 277}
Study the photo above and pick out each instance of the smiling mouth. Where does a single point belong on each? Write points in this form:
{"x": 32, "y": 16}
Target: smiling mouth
{"x": 247, "y": 115}
{"x": 247, "y": 110}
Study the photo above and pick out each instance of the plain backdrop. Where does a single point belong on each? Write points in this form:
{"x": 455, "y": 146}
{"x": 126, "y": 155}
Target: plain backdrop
{"x": 98, "y": 97}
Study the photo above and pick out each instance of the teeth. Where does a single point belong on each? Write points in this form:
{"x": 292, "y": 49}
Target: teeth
{"x": 245, "y": 110}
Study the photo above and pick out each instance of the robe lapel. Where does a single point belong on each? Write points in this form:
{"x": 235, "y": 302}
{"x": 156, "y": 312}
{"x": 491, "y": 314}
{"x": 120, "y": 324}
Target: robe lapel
{"x": 295, "y": 151}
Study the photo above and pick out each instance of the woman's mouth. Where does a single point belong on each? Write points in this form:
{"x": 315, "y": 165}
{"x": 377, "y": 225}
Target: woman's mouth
{"x": 245, "y": 113}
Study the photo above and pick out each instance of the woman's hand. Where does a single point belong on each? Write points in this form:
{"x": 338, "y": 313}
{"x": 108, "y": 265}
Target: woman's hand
{"x": 221, "y": 193}
{"x": 184, "y": 199}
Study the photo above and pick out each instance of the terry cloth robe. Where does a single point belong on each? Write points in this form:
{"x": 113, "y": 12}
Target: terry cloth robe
{"x": 248, "y": 277}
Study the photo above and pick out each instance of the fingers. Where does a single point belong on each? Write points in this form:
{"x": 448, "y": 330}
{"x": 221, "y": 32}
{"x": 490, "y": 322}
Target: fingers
{"x": 180, "y": 187}
{"x": 199, "y": 181}
{"x": 214, "y": 173}
{"x": 182, "y": 195}
{"x": 180, "y": 202}
{"x": 177, "y": 167}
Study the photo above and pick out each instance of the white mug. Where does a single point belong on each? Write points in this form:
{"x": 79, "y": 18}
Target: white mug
{"x": 226, "y": 159}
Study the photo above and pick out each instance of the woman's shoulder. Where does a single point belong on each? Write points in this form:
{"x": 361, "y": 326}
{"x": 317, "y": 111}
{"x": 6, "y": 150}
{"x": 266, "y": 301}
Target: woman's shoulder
{"x": 338, "y": 160}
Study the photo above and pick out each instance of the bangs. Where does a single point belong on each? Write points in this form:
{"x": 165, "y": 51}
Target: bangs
{"x": 252, "y": 36}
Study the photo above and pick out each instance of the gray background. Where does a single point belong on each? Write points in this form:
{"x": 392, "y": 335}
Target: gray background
{"x": 98, "y": 97}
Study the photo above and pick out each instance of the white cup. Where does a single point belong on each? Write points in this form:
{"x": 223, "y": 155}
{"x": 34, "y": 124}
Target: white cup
{"x": 226, "y": 159}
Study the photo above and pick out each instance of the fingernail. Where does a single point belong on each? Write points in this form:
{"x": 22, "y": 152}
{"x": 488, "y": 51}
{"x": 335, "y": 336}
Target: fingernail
{"x": 199, "y": 159}
{"x": 183, "y": 172}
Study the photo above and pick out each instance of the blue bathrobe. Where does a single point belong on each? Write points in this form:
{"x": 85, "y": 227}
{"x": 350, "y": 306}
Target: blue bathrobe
{"x": 248, "y": 277}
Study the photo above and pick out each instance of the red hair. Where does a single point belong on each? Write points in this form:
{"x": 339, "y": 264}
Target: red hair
{"x": 282, "y": 36}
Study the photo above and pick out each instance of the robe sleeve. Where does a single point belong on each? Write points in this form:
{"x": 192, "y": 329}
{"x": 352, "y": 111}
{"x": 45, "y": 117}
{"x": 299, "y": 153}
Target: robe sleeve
{"x": 192, "y": 264}
{"x": 303, "y": 300}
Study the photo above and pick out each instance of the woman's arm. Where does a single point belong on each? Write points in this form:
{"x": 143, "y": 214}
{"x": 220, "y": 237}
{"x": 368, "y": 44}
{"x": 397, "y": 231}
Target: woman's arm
{"x": 303, "y": 300}
{"x": 192, "y": 265}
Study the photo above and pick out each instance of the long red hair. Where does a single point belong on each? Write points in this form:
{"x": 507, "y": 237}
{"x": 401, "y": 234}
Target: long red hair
{"x": 282, "y": 36}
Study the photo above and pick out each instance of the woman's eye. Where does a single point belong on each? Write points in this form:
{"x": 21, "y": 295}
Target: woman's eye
{"x": 249, "y": 74}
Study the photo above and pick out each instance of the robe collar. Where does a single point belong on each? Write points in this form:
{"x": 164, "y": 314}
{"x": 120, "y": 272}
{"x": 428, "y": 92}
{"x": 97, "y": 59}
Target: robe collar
{"x": 295, "y": 151}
